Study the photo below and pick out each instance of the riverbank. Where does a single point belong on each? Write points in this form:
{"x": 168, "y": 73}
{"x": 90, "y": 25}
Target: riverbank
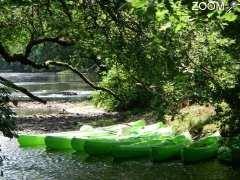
{"x": 56, "y": 116}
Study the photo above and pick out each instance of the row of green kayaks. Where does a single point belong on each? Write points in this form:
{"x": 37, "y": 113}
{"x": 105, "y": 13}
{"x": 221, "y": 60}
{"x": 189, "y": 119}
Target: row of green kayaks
{"x": 131, "y": 140}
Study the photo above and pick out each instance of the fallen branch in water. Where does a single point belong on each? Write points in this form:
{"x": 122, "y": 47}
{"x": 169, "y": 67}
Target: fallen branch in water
{"x": 82, "y": 76}
{"x": 10, "y": 84}
{"x": 23, "y": 59}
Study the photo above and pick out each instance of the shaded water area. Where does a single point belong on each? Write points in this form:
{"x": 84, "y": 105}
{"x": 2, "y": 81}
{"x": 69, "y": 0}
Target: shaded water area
{"x": 51, "y": 85}
{"x": 37, "y": 163}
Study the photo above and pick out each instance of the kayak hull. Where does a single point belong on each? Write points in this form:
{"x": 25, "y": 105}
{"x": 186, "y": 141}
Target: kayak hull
{"x": 31, "y": 140}
{"x": 62, "y": 140}
{"x": 105, "y": 147}
{"x": 135, "y": 150}
{"x": 58, "y": 143}
{"x": 170, "y": 149}
{"x": 203, "y": 150}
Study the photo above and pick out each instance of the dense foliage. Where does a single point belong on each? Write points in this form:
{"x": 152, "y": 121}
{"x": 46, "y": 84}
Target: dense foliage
{"x": 7, "y": 116}
{"x": 148, "y": 53}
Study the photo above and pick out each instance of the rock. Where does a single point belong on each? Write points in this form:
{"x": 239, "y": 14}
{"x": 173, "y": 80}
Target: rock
{"x": 69, "y": 93}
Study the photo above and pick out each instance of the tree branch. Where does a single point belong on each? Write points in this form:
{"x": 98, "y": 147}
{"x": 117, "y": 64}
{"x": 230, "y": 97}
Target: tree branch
{"x": 59, "y": 40}
{"x": 21, "y": 89}
{"x": 4, "y": 53}
{"x": 19, "y": 58}
{"x": 22, "y": 58}
{"x": 82, "y": 76}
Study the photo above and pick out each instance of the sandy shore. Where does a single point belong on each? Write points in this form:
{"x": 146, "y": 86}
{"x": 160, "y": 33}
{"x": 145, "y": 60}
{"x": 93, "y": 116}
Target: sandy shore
{"x": 60, "y": 116}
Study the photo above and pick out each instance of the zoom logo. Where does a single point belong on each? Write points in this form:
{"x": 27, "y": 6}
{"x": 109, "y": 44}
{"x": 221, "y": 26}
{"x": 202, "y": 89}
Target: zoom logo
{"x": 214, "y": 5}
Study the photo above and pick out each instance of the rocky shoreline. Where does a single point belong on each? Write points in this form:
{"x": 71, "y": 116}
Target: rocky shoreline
{"x": 60, "y": 116}
{"x": 57, "y": 123}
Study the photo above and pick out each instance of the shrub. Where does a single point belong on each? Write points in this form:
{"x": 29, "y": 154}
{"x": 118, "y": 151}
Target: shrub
{"x": 121, "y": 82}
{"x": 7, "y": 116}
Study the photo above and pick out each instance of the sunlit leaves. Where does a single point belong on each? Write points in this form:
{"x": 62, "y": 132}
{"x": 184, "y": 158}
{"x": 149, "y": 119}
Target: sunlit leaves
{"x": 229, "y": 17}
{"x": 138, "y": 3}
{"x": 161, "y": 12}
{"x": 165, "y": 26}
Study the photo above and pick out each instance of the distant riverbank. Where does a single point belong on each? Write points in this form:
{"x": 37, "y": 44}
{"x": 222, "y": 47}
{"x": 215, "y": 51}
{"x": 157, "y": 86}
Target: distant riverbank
{"x": 33, "y": 117}
{"x": 56, "y": 116}
{"x": 51, "y": 85}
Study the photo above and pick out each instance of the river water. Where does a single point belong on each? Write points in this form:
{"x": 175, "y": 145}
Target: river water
{"x": 39, "y": 164}
{"x": 50, "y": 85}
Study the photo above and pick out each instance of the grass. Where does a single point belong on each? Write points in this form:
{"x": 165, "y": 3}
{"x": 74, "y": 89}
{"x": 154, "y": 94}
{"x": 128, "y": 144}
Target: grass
{"x": 197, "y": 119}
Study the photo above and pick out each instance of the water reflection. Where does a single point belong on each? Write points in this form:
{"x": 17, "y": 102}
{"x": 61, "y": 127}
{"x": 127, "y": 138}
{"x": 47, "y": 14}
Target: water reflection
{"x": 51, "y": 85}
{"x": 40, "y": 164}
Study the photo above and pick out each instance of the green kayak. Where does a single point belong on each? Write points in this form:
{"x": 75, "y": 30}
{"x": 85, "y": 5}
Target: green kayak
{"x": 101, "y": 146}
{"x": 202, "y": 150}
{"x": 170, "y": 149}
{"x": 143, "y": 147}
{"x": 36, "y": 140}
{"x": 65, "y": 142}
{"x": 104, "y": 146}
{"x": 26, "y": 140}
{"x": 140, "y": 149}
{"x": 31, "y": 140}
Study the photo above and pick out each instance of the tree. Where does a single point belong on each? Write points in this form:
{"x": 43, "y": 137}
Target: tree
{"x": 26, "y": 25}
{"x": 201, "y": 53}
{"x": 149, "y": 53}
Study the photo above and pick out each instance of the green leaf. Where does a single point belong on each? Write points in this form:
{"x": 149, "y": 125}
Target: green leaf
{"x": 161, "y": 14}
{"x": 179, "y": 27}
{"x": 229, "y": 17}
{"x": 165, "y": 26}
{"x": 138, "y": 3}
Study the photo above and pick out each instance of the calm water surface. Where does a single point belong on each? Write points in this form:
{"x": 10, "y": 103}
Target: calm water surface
{"x": 38, "y": 164}
{"x": 50, "y": 85}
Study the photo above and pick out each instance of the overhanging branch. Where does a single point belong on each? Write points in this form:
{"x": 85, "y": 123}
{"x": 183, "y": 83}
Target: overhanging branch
{"x": 82, "y": 76}
{"x": 59, "y": 40}
{"x": 18, "y": 58}
{"x": 21, "y": 89}
{"x": 22, "y": 58}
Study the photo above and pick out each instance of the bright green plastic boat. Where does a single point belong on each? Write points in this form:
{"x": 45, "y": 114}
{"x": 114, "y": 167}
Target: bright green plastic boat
{"x": 202, "y": 150}
{"x": 112, "y": 146}
{"x": 170, "y": 149}
{"x": 103, "y": 146}
{"x": 26, "y": 140}
{"x": 64, "y": 142}
{"x": 31, "y": 140}
{"x": 36, "y": 140}
{"x": 100, "y": 146}
{"x": 140, "y": 149}
{"x": 143, "y": 147}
